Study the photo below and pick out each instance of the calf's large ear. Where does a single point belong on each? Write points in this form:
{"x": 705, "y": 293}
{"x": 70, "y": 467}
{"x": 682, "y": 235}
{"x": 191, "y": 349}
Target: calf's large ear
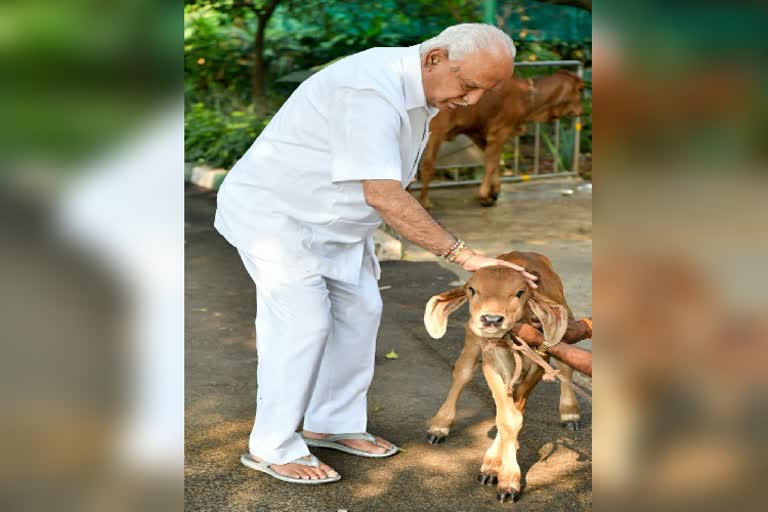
{"x": 553, "y": 317}
{"x": 439, "y": 307}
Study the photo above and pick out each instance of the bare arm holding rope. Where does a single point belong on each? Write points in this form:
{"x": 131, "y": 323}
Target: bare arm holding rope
{"x": 575, "y": 357}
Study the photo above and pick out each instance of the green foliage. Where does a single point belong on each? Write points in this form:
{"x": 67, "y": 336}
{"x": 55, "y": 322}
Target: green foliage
{"x": 220, "y": 138}
{"x": 79, "y": 77}
{"x": 219, "y": 59}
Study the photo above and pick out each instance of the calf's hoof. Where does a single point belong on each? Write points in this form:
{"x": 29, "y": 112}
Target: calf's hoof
{"x": 572, "y": 425}
{"x": 434, "y": 438}
{"x": 487, "y": 201}
{"x": 495, "y": 196}
{"x": 487, "y": 479}
{"x": 508, "y": 495}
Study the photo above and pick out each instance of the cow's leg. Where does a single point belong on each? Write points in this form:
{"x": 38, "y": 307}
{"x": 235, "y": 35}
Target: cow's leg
{"x": 491, "y": 160}
{"x": 491, "y": 185}
{"x": 496, "y": 180}
{"x": 428, "y": 160}
{"x": 509, "y": 421}
{"x": 570, "y": 414}
{"x": 440, "y": 424}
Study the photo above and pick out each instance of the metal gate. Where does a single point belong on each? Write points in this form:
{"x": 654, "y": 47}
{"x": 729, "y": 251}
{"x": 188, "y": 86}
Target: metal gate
{"x": 536, "y": 172}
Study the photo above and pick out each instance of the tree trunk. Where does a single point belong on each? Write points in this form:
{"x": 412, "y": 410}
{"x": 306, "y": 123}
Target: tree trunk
{"x": 258, "y": 70}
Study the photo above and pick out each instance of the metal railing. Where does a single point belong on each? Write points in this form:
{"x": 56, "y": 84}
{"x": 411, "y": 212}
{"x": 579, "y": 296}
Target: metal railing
{"x": 554, "y": 150}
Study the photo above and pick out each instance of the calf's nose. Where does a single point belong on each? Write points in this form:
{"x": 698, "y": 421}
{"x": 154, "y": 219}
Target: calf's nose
{"x": 492, "y": 320}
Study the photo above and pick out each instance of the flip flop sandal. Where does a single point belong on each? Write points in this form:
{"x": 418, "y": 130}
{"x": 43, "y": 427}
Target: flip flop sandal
{"x": 331, "y": 442}
{"x": 264, "y": 467}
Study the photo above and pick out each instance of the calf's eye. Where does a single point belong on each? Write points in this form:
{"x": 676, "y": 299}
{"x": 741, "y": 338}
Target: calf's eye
{"x": 520, "y": 293}
{"x": 472, "y": 292}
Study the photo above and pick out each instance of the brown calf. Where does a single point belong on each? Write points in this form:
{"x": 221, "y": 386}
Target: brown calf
{"x": 499, "y": 115}
{"x": 498, "y": 298}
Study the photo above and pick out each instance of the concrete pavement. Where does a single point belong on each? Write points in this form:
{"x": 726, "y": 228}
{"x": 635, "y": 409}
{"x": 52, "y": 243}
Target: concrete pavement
{"x": 221, "y": 374}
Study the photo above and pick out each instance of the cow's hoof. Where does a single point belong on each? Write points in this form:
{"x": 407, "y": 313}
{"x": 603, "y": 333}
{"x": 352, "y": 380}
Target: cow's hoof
{"x": 487, "y": 479}
{"x": 508, "y": 495}
{"x": 572, "y": 425}
{"x": 434, "y": 439}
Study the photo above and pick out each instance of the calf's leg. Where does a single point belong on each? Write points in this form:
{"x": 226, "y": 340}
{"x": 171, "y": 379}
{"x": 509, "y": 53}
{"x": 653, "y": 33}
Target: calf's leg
{"x": 570, "y": 414}
{"x": 489, "y": 470}
{"x": 463, "y": 370}
{"x": 509, "y": 421}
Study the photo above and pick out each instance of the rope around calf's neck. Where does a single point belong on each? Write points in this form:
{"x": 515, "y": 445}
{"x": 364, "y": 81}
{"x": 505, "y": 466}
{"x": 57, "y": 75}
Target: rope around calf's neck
{"x": 521, "y": 347}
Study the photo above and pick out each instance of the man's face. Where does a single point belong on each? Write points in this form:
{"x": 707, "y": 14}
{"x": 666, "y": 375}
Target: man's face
{"x": 449, "y": 84}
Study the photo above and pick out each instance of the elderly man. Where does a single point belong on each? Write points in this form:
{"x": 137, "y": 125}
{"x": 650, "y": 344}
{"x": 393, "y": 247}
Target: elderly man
{"x": 301, "y": 207}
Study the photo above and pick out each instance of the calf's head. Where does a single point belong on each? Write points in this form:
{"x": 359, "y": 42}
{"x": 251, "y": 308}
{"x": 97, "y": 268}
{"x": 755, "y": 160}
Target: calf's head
{"x": 498, "y": 298}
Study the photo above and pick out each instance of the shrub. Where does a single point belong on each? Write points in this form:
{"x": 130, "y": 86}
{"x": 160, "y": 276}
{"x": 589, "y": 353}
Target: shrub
{"x": 219, "y": 138}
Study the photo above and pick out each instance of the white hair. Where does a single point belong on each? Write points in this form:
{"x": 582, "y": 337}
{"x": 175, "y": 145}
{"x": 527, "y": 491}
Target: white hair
{"x": 466, "y": 38}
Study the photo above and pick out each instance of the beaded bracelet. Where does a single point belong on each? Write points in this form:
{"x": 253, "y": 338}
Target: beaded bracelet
{"x": 452, "y": 257}
{"x": 452, "y": 248}
{"x": 455, "y": 250}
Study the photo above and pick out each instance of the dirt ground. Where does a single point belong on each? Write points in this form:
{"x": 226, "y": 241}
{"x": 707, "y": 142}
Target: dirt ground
{"x": 221, "y": 372}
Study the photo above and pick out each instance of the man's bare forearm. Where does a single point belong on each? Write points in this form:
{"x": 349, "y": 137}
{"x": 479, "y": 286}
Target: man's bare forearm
{"x": 575, "y": 357}
{"x": 403, "y": 212}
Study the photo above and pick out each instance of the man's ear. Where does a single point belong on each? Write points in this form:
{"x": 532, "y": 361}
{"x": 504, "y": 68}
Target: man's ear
{"x": 553, "y": 317}
{"x": 435, "y": 56}
{"x": 439, "y": 307}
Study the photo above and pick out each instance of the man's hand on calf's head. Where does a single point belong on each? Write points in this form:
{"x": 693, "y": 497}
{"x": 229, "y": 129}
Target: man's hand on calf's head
{"x": 471, "y": 261}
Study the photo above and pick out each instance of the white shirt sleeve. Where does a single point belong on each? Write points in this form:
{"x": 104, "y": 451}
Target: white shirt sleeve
{"x": 364, "y": 134}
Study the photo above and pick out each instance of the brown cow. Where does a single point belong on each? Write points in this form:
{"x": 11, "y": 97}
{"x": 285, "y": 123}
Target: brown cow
{"x": 499, "y": 115}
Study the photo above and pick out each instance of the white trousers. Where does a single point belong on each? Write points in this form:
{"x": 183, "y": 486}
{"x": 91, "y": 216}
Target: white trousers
{"x": 316, "y": 342}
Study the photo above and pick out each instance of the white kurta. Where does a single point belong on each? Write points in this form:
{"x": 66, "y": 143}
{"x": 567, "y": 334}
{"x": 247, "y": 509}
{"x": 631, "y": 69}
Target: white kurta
{"x": 296, "y": 198}
{"x": 294, "y": 207}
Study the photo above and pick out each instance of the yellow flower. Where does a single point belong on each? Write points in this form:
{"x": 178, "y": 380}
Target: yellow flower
{"x": 523, "y": 34}
{"x": 201, "y": 61}
{"x": 531, "y": 57}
